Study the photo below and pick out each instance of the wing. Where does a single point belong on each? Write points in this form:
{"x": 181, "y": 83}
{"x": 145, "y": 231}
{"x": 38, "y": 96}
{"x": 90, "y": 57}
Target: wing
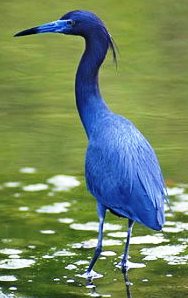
{"x": 123, "y": 173}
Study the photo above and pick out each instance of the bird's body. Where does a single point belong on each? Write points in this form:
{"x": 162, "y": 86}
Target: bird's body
{"x": 122, "y": 171}
{"x": 120, "y": 164}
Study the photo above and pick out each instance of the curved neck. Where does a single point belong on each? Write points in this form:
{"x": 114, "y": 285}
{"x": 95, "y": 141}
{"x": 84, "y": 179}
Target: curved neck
{"x": 89, "y": 102}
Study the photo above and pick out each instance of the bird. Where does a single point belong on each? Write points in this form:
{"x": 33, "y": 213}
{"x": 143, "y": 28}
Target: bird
{"x": 122, "y": 171}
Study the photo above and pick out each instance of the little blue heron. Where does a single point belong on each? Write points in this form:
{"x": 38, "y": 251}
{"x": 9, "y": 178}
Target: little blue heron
{"x": 122, "y": 171}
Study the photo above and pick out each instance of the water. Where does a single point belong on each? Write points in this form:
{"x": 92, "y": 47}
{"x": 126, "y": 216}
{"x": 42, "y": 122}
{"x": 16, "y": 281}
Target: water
{"x": 48, "y": 220}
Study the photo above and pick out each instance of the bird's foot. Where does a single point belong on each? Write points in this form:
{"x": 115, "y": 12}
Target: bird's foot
{"x": 128, "y": 283}
{"x": 89, "y": 275}
{"x": 124, "y": 266}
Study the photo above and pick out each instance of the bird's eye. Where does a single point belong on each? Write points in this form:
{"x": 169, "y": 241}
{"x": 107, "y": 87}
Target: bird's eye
{"x": 71, "y": 22}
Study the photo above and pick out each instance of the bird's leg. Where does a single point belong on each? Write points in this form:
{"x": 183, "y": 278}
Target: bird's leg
{"x": 127, "y": 284}
{"x": 126, "y": 253}
{"x": 101, "y": 210}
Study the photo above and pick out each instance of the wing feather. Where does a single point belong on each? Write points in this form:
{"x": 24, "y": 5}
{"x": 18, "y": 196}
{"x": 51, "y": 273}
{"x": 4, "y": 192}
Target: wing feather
{"x": 122, "y": 171}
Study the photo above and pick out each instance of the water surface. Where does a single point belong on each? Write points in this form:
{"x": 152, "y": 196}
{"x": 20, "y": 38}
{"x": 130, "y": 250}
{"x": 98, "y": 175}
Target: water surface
{"x": 48, "y": 220}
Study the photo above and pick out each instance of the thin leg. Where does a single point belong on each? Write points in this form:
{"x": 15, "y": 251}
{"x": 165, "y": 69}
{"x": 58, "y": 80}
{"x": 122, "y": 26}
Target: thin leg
{"x": 127, "y": 284}
{"x": 101, "y": 210}
{"x": 126, "y": 253}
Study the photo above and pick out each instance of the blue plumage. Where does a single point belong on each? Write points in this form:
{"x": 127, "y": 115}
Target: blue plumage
{"x": 122, "y": 171}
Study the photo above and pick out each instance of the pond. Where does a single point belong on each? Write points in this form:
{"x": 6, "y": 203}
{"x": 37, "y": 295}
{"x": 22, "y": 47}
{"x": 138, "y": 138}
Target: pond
{"x": 48, "y": 219}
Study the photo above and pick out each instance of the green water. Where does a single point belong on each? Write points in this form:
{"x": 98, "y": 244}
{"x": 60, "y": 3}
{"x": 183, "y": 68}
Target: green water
{"x": 40, "y": 129}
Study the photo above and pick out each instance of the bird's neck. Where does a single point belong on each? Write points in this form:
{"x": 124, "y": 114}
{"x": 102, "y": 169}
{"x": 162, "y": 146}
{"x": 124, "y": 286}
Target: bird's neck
{"x": 90, "y": 104}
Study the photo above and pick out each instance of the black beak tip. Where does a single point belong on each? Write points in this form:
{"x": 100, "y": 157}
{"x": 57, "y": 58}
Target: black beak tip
{"x": 27, "y": 32}
{"x": 17, "y": 34}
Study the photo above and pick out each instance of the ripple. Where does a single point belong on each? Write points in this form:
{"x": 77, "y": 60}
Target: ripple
{"x": 177, "y": 260}
{"x": 47, "y": 232}
{"x": 14, "y": 257}
{"x": 148, "y": 239}
{"x": 92, "y": 274}
{"x": 16, "y": 263}
{"x": 93, "y": 243}
{"x": 135, "y": 265}
{"x": 184, "y": 240}
{"x": 8, "y": 278}
{"x": 35, "y": 187}
{"x": 32, "y": 246}
{"x": 132, "y": 265}
{"x": 118, "y": 234}
{"x": 63, "y": 182}
{"x": 28, "y": 170}
{"x": 55, "y": 208}
{"x": 93, "y": 226}
{"x": 165, "y": 252}
{"x": 174, "y": 191}
{"x": 108, "y": 253}
{"x": 12, "y": 184}
{"x": 6, "y": 240}
{"x": 70, "y": 280}
{"x": 168, "y": 214}
{"x": 183, "y": 197}
{"x": 23, "y": 208}
{"x": 47, "y": 257}
{"x": 71, "y": 267}
{"x": 64, "y": 253}
{"x": 170, "y": 223}
{"x": 13, "y": 289}
{"x": 81, "y": 262}
{"x": 10, "y": 251}
{"x": 4, "y": 296}
{"x": 180, "y": 207}
{"x": 66, "y": 220}
{"x": 172, "y": 229}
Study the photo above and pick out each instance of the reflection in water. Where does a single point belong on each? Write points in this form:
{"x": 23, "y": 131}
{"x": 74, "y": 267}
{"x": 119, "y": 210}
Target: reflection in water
{"x": 12, "y": 184}
{"x": 8, "y": 278}
{"x": 47, "y": 232}
{"x": 146, "y": 239}
{"x": 165, "y": 252}
{"x": 35, "y": 187}
{"x": 93, "y": 226}
{"x": 40, "y": 133}
{"x": 127, "y": 284}
{"x": 131, "y": 265}
{"x": 64, "y": 253}
{"x": 16, "y": 263}
{"x": 63, "y": 182}
{"x": 71, "y": 267}
{"x": 10, "y": 251}
{"x": 28, "y": 170}
{"x": 55, "y": 208}
{"x": 94, "y": 292}
{"x": 93, "y": 289}
{"x": 15, "y": 252}
{"x": 93, "y": 242}
{"x": 66, "y": 220}
{"x": 174, "y": 191}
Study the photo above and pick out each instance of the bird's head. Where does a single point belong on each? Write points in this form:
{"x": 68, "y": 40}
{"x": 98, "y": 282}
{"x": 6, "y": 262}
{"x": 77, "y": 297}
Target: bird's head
{"x": 78, "y": 22}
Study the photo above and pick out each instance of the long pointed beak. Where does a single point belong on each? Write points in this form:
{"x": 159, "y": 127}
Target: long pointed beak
{"x": 58, "y": 26}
